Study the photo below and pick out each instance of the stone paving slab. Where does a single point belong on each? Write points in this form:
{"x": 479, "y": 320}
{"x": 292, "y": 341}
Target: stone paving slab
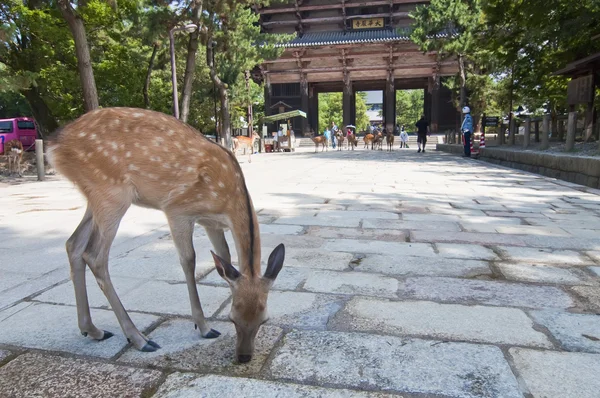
{"x": 54, "y": 327}
{"x": 403, "y": 366}
{"x": 551, "y": 374}
{"x": 37, "y": 375}
{"x": 167, "y": 298}
{"x": 23, "y": 290}
{"x": 440, "y": 321}
{"x": 4, "y": 354}
{"x": 422, "y": 266}
{"x": 351, "y": 283}
{"x": 183, "y": 348}
{"x": 546, "y": 256}
{"x": 410, "y": 225}
{"x": 353, "y": 233}
{"x": 186, "y": 385}
{"x": 322, "y": 220}
{"x": 575, "y": 332}
{"x": 319, "y": 259}
{"x": 540, "y": 273}
{"x": 591, "y": 296}
{"x": 484, "y": 292}
{"x": 465, "y": 251}
{"x": 65, "y": 293}
{"x": 389, "y": 248}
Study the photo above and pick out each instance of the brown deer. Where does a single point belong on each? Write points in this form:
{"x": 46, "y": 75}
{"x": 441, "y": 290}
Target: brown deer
{"x": 123, "y": 156}
{"x": 320, "y": 140}
{"x": 389, "y": 139}
{"x": 377, "y": 141}
{"x": 352, "y": 141}
{"x": 14, "y": 153}
{"x": 368, "y": 139}
{"x": 246, "y": 143}
{"x": 340, "y": 139}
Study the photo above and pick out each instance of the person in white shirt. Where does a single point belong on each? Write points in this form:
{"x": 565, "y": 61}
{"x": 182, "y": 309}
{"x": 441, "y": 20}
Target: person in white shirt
{"x": 403, "y": 138}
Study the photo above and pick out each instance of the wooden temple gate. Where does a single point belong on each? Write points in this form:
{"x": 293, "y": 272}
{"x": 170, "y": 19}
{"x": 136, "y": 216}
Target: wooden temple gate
{"x": 350, "y": 46}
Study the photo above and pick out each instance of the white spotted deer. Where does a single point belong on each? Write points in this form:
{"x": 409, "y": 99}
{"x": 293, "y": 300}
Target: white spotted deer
{"x": 320, "y": 140}
{"x": 245, "y": 143}
{"x": 123, "y": 156}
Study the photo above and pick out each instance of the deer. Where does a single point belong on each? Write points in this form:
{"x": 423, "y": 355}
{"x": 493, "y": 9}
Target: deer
{"x": 320, "y": 140}
{"x": 14, "y": 153}
{"x": 352, "y": 141}
{"x": 377, "y": 141}
{"x": 340, "y": 139}
{"x": 368, "y": 139}
{"x": 389, "y": 138}
{"x": 247, "y": 143}
{"x": 173, "y": 168}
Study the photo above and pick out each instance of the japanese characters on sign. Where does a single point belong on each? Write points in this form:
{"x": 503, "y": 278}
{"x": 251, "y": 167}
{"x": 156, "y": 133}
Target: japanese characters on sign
{"x": 491, "y": 121}
{"x": 369, "y": 23}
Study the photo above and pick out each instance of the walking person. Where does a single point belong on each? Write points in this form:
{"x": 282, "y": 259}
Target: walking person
{"x": 467, "y": 130}
{"x": 334, "y": 131}
{"x": 422, "y": 132}
{"x": 327, "y": 135}
{"x": 403, "y": 138}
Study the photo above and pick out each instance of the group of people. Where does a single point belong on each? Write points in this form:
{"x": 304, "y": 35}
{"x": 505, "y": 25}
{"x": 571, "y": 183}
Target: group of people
{"x": 423, "y": 132}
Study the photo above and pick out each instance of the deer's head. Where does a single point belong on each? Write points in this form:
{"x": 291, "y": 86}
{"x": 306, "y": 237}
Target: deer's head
{"x": 249, "y": 304}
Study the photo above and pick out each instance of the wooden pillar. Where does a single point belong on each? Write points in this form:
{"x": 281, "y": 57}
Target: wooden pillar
{"x": 501, "y": 135}
{"x": 304, "y": 103}
{"x": 435, "y": 104}
{"x": 347, "y": 104}
{"x": 546, "y": 132}
{"x": 512, "y": 131}
{"x": 526, "y": 132}
{"x": 389, "y": 111}
{"x": 313, "y": 109}
{"x": 353, "y": 110}
{"x": 572, "y": 123}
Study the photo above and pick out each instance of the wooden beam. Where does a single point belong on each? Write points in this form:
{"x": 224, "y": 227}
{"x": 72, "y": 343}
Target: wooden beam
{"x": 348, "y": 56}
{"x": 266, "y": 11}
{"x": 334, "y": 19}
{"x": 340, "y": 69}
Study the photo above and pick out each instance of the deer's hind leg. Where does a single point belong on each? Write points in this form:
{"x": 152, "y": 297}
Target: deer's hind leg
{"x": 76, "y": 246}
{"x": 182, "y": 230}
{"x": 107, "y": 215}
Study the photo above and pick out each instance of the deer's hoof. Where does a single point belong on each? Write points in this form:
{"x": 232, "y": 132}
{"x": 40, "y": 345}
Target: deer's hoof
{"x": 150, "y": 346}
{"x": 84, "y": 334}
{"x": 212, "y": 334}
{"x": 107, "y": 335}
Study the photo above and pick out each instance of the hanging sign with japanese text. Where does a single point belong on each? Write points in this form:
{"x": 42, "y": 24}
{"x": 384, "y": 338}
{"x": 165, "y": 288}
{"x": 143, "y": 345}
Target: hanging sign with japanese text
{"x": 369, "y": 23}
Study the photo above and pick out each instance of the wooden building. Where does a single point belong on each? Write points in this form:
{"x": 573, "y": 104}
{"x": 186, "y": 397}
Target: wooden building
{"x": 349, "y": 46}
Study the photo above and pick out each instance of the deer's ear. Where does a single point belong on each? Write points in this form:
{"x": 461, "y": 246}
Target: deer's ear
{"x": 275, "y": 262}
{"x": 226, "y": 270}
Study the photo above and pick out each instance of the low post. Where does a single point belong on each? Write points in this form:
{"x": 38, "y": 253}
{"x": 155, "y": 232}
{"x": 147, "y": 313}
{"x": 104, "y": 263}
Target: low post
{"x": 512, "y": 131}
{"x": 500, "y": 140}
{"x": 571, "y": 131}
{"x": 537, "y": 131}
{"x": 39, "y": 160}
{"x": 545, "y": 132}
{"x": 526, "y": 132}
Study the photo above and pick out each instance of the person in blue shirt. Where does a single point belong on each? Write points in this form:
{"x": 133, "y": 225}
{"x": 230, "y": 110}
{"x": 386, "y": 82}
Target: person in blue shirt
{"x": 467, "y": 129}
{"x": 327, "y": 135}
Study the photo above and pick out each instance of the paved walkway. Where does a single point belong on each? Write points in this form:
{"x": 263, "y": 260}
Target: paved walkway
{"x": 414, "y": 275}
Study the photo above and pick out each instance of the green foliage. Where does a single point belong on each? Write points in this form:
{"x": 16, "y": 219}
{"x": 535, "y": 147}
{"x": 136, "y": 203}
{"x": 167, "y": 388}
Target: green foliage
{"x": 330, "y": 110}
{"x": 409, "y": 107}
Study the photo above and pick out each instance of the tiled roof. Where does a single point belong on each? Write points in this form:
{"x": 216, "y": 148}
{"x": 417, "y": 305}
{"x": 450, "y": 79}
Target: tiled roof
{"x": 353, "y": 36}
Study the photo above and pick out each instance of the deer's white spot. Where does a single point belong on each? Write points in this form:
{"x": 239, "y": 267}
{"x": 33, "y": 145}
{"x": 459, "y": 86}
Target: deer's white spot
{"x": 105, "y": 153}
{"x": 115, "y": 160}
{"x": 166, "y": 165}
{"x": 137, "y": 145}
{"x": 214, "y": 194}
{"x": 199, "y": 196}
{"x": 215, "y": 159}
{"x": 178, "y": 145}
{"x": 160, "y": 139}
{"x": 104, "y": 177}
{"x": 133, "y": 167}
{"x": 89, "y": 154}
{"x": 152, "y": 176}
{"x": 176, "y": 165}
{"x": 221, "y": 184}
{"x": 128, "y": 154}
{"x": 137, "y": 114}
{"x": 238, "y": 175}
{"x": 190, "y": 169}
{"x": 170, "y": 133}
{"x": 82, "y": 134}
{"x": 155, "y": 158}
{"x": 114, "y": 145}
{"x": 224, "y": 166}
{"x": 93, "y": 136}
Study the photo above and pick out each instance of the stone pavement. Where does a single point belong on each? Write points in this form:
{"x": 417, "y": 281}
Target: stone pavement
{"x": 414, "y": 275}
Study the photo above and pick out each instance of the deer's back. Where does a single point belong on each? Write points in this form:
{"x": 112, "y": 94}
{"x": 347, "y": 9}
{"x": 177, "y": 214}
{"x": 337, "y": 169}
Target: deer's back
{"x": 152, "y": 157}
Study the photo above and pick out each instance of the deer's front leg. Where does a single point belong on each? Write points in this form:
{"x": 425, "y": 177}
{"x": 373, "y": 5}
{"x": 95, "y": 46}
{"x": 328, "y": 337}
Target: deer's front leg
{"x": 182, "y": 230}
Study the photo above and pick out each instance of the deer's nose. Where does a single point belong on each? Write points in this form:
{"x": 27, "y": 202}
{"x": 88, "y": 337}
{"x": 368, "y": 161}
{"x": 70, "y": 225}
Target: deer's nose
{"x": 244, "y": 358}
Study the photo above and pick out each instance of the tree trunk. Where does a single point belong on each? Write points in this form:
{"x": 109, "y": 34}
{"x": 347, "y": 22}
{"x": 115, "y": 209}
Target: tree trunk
{"x": 41, "y": 112}
{"x": 148, "y": 75}
{"x": 463, "y": 81}
{"x": 250, "y": 116}
{"x": 222, "y": 90}
{"x": 190, "y": 64}
{"x": 82, "y": 51}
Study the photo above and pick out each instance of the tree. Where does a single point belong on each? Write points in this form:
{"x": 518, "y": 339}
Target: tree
{"x": 409, "y": 107}
{"x": 459, "y": 19}
{"x": 330, "y": 110}
{"x": 84, "y": 62}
